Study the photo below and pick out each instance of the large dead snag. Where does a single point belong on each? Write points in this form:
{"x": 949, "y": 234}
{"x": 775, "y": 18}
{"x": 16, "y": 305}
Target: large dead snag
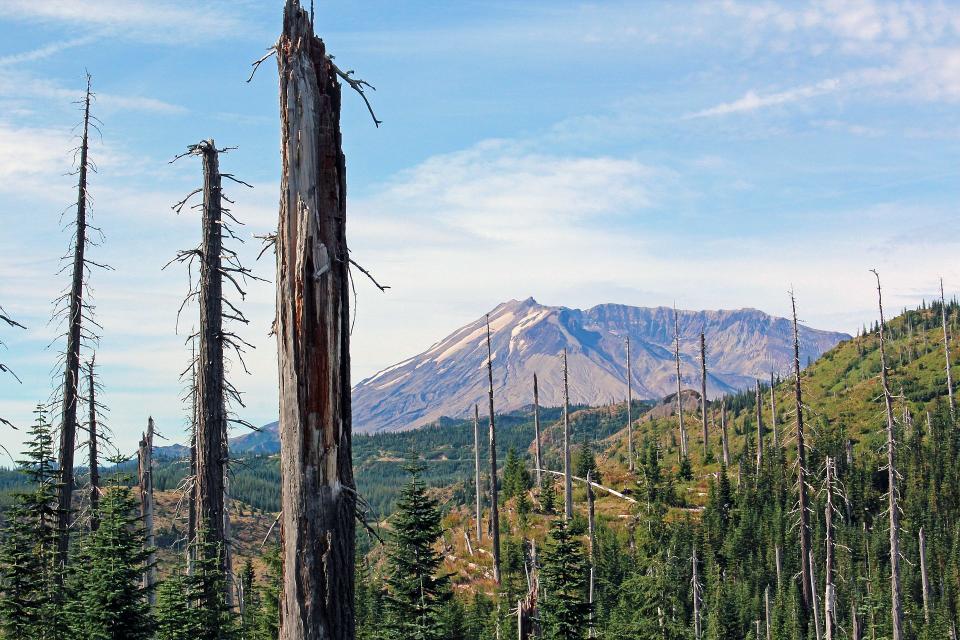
{"x": 697, "y": 596}
{"x": 536, "y": 430}
{"x": 318, "y": 494}
{"x": 829, "y": 589}
{"x": 567, "y": 466}
{"x": 924, "y": 576}
{"x": 145, "y": 482}
{"x": 725, "y": 443}
{"x": 804, "y": 529}
{"x": 74, "y": 310}
{"x": 946, "y": 351}
{"x": 212, "y": 391}
{"x": 773, "y": 413}
{"x": 591, "y": 530}
{"x": 676, "y": 352}
{"x": 703, "y": 394}
{"x": 476, "y": 470}
{"x": 494, "y": 502}
{"x": 893, "y": 507}
{"x": 630, "y": 455}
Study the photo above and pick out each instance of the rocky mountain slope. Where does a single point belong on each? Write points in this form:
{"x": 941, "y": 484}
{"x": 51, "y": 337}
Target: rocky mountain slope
{"x": 527, "y": 338}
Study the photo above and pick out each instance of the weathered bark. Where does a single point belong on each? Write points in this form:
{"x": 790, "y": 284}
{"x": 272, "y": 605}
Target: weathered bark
{"x": 759, "y": 402}
{"x": 856, "y": 626}
{"x": 192, "y": 515}
{"x": 93, "y": 461}
{"x": 476, "y": 470}
{"x": 211, "y": 430}
{"x": 703, "y": 394}
{"x": 924, "y": 576}
{"x": 778, "y": 563}
{"x": 946, "y": 351}
{"x": 630, "y": 455}
{"x": 567, "y": 470}
{"x": 536, "y": 429}
{"x": 767, "y": 612}
{"x": 723, "y": 434}
{"x": 71, "y": 369}
{"x": 806, "y": 581}
{"x": 683, "y": 432}
{"x": 145, "y": 481}
{"x": 318, "y": 494}
{"x": 773, "y": 413}
{"x": 829, "y": 595}
{"x": 494, "y": 503}
{"x": 896, "y": 589}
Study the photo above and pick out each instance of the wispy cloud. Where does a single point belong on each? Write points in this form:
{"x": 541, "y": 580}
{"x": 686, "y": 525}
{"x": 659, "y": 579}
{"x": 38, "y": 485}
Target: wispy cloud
{"x": 45, "y": 51}
{"x": 751, "y": 100}
{"x": 167, "y": 21}
{"x": 18, "y": 85}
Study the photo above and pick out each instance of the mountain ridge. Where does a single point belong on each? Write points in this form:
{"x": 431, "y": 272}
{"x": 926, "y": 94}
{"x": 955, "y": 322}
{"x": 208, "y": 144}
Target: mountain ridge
{"x": 527, "y": 337}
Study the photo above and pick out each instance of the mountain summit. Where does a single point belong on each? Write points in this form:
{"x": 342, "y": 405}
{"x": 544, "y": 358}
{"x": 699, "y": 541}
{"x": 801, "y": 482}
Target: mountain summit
{"x": 527, "y": 338}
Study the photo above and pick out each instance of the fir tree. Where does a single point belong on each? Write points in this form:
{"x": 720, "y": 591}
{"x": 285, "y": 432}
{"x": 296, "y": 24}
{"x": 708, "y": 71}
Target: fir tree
{"x": 516, "y": 478}
{"x": 416, "y": 595}
{"x": 175, "y": 619}
{"x": 106, "y": 598}
{"x": 586, "y": 463}
{"x": 564, "y": 609}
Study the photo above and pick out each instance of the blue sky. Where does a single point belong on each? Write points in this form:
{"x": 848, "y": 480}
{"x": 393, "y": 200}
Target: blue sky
{"x": 710, "y": 154}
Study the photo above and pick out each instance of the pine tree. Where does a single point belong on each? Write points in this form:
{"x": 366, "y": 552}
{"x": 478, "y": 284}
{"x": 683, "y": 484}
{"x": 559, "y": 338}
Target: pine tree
{"x": 207, "y": 589}
{"x": 28, "y": 546}
{"x": 516, "y": 478}
{"x": 416, "y": 595}
{"x": 564, "y": 609}
{"x": 586, "y": 463}
{"x": 175, "y": 619}
{"x": 106, "y": 599}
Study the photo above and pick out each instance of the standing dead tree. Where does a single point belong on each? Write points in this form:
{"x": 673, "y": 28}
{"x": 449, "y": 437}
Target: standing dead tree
{"x": 318, "y": 493}
{"x": 591, "y": 530}
{"x": 536, "y": 430}
{"x": 924, "y": 576}
{"x": 946, "y": 351}
{"x": 494, "y": 503}
{"x": 567, "y": 466}
{"x": 76, "y": 312}
{"x": 829, "y": 595}
{"x": 804, "y": 530}
{"x": 10, "y": 322}
{"x": 93, "y": 431}
{"x": 676, "y": 352}
{"x": 703, "y": 394}
{"x": 697, "y": 597}
{"x": 759, "y": 403}
{"x": 213, "y": 391}
{"x": 725, "y": 443}
{"x": 773, "y": 413}
{"x": 893, "y": 507}
{"x": 476, "y": 470}
{"x": 145, "y": 482}
{"x": 630, "y": 454}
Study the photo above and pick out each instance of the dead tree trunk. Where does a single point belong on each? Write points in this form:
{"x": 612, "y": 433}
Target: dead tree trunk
{"x": 192, "y": 515}
{"x": 536, "y": 429}
{"x": 773, "y": 413}
{"x": 723, "y": 434}
{"x": 71, "y": 369}
{"x": 946, "y": 351}
{"x": 494, "y": 503}
{"x": 896, "y": 590}
{"x": 476, "y": 460}
{"x": 319, "y": 498}
{"x": 924, "y": 577}
{"x": 593, "y": 557}
{"x": 703, "y": 394}
{"x": 145, "y": 480}
{"x": 759, "y": 428}
{"x": 808, "y": 595}
{"x": 829, "y": 594}
{"x": 767, "y": 612}
{"x": 567, "y": 470}
{"x": 683, "y": 432}
{"x": 211, "y": 445}
{"x": 92, "y": 446}
{"x": 695, "y": 581}
{"x": 630, "y": 454}
{"x": 818, "y": 633}
{"x": 856, "y": 627}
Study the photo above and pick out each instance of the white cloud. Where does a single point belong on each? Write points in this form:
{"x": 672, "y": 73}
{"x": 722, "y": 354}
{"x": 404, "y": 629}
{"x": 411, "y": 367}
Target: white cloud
{"x": 45, "y": 51}
{"x": 751, "y": 100}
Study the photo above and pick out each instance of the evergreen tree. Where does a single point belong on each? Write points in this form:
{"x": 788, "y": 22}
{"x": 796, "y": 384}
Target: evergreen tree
{"x": 28, "y": 571}
{"x": 586, "y": 463}
{"x": 564, "y": 607}
{"x": 416, "y": 595}
{"x": 175, "y": 619}
{"x": 516, "y": 478}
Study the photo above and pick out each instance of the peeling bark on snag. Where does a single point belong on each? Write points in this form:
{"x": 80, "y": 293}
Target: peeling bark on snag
{"x": 318, "y": 494}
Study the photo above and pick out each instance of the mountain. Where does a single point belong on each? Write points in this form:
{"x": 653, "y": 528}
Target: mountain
{"x": 527, "y": 338}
